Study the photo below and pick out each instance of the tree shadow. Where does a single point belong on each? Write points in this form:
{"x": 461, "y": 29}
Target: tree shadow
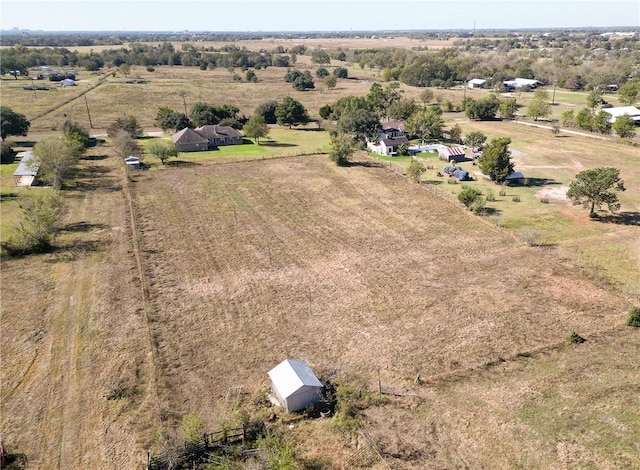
{"x": 365, "y": 164}
{"x": 181, "y": 163}
{"x": 79, "y": 227}
{"x": 276, "y": 144}
{"x": 94, "y": 157}
{"x": 490, "y": 211}
{"x": 621, "y": 218}
{"x": 534, "y": 182}
{"x": 25, "y": 143}
{"x": 432, "y": 182}
{"x": 75, "y": 250}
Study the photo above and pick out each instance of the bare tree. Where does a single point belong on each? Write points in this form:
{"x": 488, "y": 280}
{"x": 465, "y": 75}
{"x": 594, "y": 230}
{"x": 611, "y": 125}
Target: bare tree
{"x": 123, "y": 144}
{"x": 55, "y": 158}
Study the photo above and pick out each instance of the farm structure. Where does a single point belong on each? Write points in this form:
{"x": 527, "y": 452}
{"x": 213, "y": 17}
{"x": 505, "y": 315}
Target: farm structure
{"x": 476, "y": 83}
{"x": 389, "y": 139}
{"x": 521, "y": 83}
{"x": 27, "y": 171}
{"x": 452, "y": 154}
{"x": 295, "y": 385}
{"x": 133, "y": 162}
{"x": 205, "y": 137}
{"x": 631, "y": 111}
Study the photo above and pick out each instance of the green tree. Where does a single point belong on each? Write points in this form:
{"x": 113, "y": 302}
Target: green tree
{"x": 75, "y": 132}
{"x": 318, "y": 56}
{"x": 304, "y": 82}
{"x": 482, "y": 109}
{"x": 495, "y": 160}
{"x": 624, "y": 126}
{"x": 600, "y": 122}
{"x": 360, "y": 123}
{"x": 162, "y": 149}
{"x": 426, "y": 124}
{"x": 507, "y": 108}
{"x": 330, "y": 81}
{"x": 341, "y": 72}
{"x": 402, "y": 109}
{"x": 455, "y": 133}
{"x": 39, "y": 223}
{"x": 594, "y": 98}
{"x": 469, "y": 196}
{"x": 55, "y": 158}
{"x": 124, "y": 69}
{"x": 474, "y": 139}
{"x": 584, "y": 119}
{"x": 321, "y": 72}
{"x": 128, "y": 124}
{"x": 595, "y": 187}
{"x": 381, "y": 98}
{"x": 290, "y": 112}
{"x": 7, "y": 154}
{"x": 12, "y": 123}
{"x": 539, "y": 106}
{"x": 251, "y": 76}
{"x": 256, "y": 128}
{"x": 415, "y": 170}
{"x": 267, "y": 110}
{"x": 426, "y": 96}
{"x": 628, "y": 93}
{"x": 568, "y": 118}
{"x": 341, "y": 149}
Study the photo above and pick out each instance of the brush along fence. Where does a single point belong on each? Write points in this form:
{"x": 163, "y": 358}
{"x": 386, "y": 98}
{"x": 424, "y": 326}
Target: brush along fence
{"x": 194, "y": 452}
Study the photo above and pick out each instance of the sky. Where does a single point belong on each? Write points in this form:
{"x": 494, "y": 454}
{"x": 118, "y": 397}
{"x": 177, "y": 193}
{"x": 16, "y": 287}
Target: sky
{"x": 313, "y": 15}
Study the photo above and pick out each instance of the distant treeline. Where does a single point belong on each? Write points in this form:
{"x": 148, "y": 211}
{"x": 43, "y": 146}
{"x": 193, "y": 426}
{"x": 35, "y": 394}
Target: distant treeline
{"x": 577, "y": 61}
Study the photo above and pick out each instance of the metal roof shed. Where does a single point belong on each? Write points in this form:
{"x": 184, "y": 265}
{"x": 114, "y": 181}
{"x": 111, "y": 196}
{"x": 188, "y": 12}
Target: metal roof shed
{"x": 26, "y": 172}
{"x": 295, "y": 385}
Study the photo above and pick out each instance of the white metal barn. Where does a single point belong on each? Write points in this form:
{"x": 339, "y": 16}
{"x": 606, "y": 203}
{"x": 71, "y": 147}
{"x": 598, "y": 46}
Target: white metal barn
{"x": 295, "y": 385}
{"x": 27, "y": 170}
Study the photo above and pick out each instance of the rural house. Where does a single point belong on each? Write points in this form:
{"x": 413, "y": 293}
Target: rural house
{"x": 452, "y": 154}
{"x": 220, "y": 135}
{"x": 295, "y": 385}
{"x": 27, "y": 171}
{"x": 188, "y": 140}
{"x": 391, "y": 137}
{"x": 205, "y": 137}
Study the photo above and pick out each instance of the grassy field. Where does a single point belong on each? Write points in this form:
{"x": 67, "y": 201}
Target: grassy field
{"x": 180, "y": 287}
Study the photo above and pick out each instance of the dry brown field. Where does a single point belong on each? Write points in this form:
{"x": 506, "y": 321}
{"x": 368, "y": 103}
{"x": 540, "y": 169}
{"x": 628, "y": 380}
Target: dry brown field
{"x": 183, "y": 286}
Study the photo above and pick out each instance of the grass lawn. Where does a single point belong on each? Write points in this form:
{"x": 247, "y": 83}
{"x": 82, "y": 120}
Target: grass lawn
{"x": 280, "y": 142}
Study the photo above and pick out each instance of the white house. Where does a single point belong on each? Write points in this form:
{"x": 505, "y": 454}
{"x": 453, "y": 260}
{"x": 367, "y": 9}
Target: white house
{"x": 476, "y": 83}
{"x": 26, "y": 173}
{"x": 388, "y": 141}
{"x": 295, "y": 385}
{"x": 631, "y": 111}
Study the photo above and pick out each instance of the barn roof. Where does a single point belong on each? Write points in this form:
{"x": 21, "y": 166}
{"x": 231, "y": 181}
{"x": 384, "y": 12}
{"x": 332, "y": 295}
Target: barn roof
{"x": 455, "y": 151}
{"x": 632, "y": 111}
{"x": 290, "y": 376}
{"x": 477, "y": 81}
{"x": 188, "y": 136}
{"x": 26, "y": 169}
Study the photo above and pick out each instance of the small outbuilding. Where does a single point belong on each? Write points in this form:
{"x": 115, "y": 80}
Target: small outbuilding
{"x": 631, "y": 111}
{"x": 295, "y": 385}
{"x": 514, "y": 178}
{"x": 133, "y": 162}
{"x": 68, "y": 82}
{"x": 476, "y": 83}
{"x": 452, "y": 154}
{"x": 27, "y": 171}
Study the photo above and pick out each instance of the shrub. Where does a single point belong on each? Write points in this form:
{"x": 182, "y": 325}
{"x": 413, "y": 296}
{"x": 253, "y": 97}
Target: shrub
{"x": 575, "y": 338}
{"x": 544, "y": 200}
{"x": 634, "y": 317}
{"x": 8, "y": 155}
{"x": 531, "y": 236}
{"x": 150, "y": 68}
{"x": 503, "y": 192}
{"x": 491, "y": 197}
{"x": 469, "y": 196}
{"x": 515, "y": 198}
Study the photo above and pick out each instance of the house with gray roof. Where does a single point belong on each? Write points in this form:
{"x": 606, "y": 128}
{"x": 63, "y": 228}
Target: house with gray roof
{"x": 205, "y": 137}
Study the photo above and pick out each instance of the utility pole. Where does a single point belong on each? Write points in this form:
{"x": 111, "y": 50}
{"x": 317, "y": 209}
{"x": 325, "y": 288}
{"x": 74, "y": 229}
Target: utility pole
{"x": 184, "y": 101}
{"x": 553, "y": 100}
{"x": 88, "y": 113}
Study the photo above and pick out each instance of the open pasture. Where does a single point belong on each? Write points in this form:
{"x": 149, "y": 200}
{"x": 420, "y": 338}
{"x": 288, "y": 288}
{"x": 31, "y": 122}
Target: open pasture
{"x": 353, "y": 269}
